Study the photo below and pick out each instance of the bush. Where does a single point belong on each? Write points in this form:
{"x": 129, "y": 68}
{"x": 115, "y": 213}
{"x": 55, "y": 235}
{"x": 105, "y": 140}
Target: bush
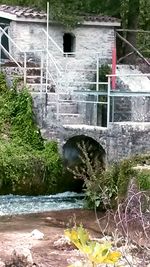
{"x": 106, "y": 188}
{"x": 28, "y": 164}
{"x": 143, "y": 177}
{"x": 27, "y": 171}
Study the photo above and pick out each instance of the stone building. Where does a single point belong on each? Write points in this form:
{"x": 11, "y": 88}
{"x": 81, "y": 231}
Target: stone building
{"x": 61, "y": 69}
{"x": 70, "y": 63}
{"x": 25, "y": 26}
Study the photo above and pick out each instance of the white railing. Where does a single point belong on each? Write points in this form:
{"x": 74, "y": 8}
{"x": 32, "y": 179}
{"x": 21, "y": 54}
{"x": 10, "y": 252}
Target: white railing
{"x": 136, "y": 98}
{"x": 80, "y": 101}
{"x": 3, "y": 32}
{"x": 98, "y": 108}
{"x": 90, "y": 97}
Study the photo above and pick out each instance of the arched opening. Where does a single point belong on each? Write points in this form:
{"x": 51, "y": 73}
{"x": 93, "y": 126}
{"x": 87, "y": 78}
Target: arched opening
{"x": 73, "y": 155}
{"x": 68, "y": 43}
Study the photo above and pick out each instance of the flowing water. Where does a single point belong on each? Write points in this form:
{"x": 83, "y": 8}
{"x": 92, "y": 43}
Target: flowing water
{"x": 12, "y": 204}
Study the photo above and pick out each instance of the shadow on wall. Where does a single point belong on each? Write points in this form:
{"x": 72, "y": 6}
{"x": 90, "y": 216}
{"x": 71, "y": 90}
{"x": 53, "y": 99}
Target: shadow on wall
{"x": 72, "y": 154}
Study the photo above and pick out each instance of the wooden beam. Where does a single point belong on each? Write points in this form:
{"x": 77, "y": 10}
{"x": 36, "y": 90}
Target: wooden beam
{"x": 127, "y": 30}
{"x": 128, "y": 43}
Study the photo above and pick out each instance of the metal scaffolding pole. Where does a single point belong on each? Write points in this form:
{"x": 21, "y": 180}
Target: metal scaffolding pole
{"x": 47, "y": 43}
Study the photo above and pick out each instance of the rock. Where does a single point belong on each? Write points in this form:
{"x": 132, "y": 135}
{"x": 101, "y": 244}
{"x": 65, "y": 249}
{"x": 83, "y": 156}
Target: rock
{"x": 64, "y": 243}
{"x": 25, "y": 252}
{"x": 20, "y": 258}
{"x": 2, "y": 264}
{"x": 36, "y": 234}
{"x": 61, "y": 241}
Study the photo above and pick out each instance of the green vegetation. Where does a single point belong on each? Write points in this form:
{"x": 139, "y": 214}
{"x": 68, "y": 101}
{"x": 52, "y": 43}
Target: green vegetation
{"x": 28, "y": 164}
{"x": 106, "y": 188}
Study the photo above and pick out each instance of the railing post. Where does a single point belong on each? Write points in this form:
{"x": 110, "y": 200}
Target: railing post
{"x": 25, "y": 68}
{"x": 46, "y": 84}
{"x": 57, "y": 106}
{"x": 97, "y": 73}
{"x": 41, "y": 78}
{"x": 66, "y": 71}
{"x": 108, "y": 101}
{"x": 113, "y": 108}
{"x": 97, "y": 89}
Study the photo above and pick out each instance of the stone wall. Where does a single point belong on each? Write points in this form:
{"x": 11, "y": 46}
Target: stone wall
{"x": 119, "y": 141}
{"x": 89, "y": 40}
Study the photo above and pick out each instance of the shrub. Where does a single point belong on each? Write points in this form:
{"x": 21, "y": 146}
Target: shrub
{"x": 28, "y": 164}
{"x": 105, "y": 188}
{"x": 143, "y": 177}
{"x": 27, "y": 171}
{"x": 104, "y": 70}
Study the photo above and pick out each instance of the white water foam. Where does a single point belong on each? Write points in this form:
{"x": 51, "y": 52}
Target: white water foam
{"x": 14, "y": 204}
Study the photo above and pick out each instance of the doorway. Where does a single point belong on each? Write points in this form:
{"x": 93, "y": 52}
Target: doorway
{"x": 69, "y": 44}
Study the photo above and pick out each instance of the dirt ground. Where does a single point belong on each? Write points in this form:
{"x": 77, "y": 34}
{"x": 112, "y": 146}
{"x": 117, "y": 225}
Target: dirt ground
{"x": 15, "y": 233}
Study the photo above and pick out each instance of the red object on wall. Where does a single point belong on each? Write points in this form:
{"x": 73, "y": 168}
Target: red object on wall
{"x": 114, "y": 68}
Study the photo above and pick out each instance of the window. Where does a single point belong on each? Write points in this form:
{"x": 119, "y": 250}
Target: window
{"x": 4, "y": 41}
{"x": 69, "y": 43}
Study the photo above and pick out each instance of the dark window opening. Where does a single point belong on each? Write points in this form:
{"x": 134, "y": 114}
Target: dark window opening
{"x": 5, "y": 44}
{"x": 69, "y": 44}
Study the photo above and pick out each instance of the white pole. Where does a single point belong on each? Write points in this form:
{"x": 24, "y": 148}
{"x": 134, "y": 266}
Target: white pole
{"x": 108, "y": 101}
{"x": 97, "y": 89}
{"x": 25, "y": 68}
{"x": 41, "y": 87}
{"x": 97, "y": 73}
{"x": 47, "y": 46}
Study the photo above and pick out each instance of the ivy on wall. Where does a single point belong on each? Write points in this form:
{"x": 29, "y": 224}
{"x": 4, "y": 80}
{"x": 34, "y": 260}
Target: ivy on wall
{"x": 28, "y": 164}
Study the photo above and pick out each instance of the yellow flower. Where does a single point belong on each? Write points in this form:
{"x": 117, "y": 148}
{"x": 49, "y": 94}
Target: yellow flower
{"x": 96, "y": 253}
{"x": 112, "y": 257}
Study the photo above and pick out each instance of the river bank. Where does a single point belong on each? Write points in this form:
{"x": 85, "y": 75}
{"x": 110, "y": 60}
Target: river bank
{"x": 15, "y": 233}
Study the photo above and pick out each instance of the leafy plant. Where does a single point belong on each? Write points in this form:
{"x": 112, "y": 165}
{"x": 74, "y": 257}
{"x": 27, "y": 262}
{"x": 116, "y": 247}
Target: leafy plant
{"x": 28, "y": 164}
{"x": 95, "y": 252}
{"x": 106, "y": 187}
{"x": 143, "y": 177}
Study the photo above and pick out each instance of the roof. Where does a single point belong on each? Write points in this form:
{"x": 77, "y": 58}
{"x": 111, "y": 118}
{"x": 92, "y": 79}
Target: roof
{"x": 19, "y": 13}
{"x": 22, "y": 13}
{"x": 99, "y": 18}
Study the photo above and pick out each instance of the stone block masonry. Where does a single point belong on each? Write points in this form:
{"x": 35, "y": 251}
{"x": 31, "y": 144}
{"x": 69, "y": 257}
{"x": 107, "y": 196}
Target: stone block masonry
{"x": 119, "y": 141}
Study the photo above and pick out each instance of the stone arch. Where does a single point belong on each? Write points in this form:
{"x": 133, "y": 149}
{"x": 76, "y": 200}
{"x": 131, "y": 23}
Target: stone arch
{"x": 71, "y": 155}
{"x": 71, "y": 150}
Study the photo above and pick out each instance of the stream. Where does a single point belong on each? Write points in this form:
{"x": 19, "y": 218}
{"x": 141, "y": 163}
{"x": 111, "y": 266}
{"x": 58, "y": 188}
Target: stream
{"x": 15, "y": 204}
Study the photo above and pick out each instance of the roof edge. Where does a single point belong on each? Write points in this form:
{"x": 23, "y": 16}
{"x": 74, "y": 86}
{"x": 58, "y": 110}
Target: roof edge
{"x": 21, "y": 19}
{"x": 87, "y": 22}
{"x": 102, "y": 23}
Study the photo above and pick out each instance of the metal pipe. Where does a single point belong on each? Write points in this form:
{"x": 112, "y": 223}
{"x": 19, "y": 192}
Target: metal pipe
{"x": 108, "y": 101}
{"x": 113, "y": 108}
{"x": 41, "y": 77}
{"x": 3, "y": 48}
{"x": 54, "y": 61}
{"x": 47, "y": 40}
{"x": 97, "y": 73}
{"x": 10, "y": 39}
{"x": 126, "y": 75}
{"x": 25, "y": 69}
